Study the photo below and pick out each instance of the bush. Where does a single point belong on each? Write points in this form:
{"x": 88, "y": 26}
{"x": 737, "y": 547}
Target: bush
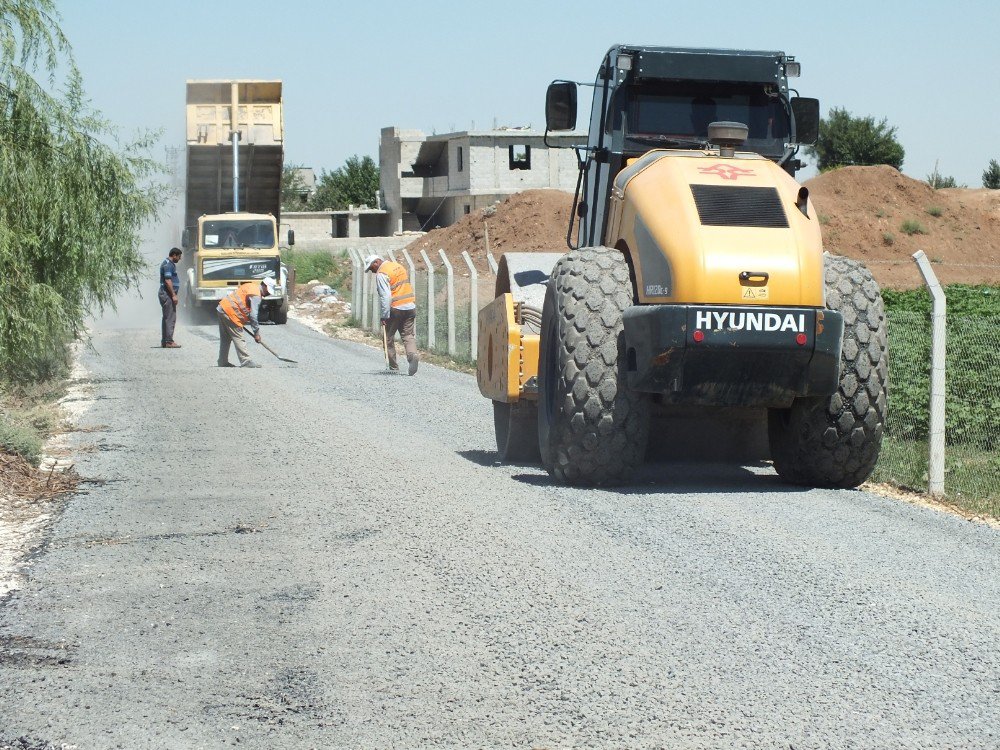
{"x": 935, "y": 211}
{"x": 21, "y": 440}
{"x": 991, "y": 176}
{"x": 911, "y": 227}
{"x": 845, "y": 140}
{"x": 319, "y": 265}
{"x": 888, "y": 238}
{"x": 937, "y": 180}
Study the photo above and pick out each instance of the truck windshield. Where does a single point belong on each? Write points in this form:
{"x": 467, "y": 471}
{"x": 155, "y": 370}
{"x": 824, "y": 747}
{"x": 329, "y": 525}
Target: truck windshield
{"x": 234, "y": 233}
{"x": 681, "y": 111}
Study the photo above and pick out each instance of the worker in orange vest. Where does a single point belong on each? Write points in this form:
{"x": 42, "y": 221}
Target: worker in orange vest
{"x": 239, "y": 310}
{"x": 398, "y": 304}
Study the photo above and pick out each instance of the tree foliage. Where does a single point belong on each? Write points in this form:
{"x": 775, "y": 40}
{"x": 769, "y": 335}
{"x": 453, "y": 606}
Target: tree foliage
{"x": 72, "y": 199}
{"x": 354, "y": 184}
{"x": 294, "y": 192}
{"x": 991, "y": 175}
{"x": 845, "y": 140}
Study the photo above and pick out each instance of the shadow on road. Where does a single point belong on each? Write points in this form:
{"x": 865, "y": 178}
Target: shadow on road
{"x": 670, "y": 477}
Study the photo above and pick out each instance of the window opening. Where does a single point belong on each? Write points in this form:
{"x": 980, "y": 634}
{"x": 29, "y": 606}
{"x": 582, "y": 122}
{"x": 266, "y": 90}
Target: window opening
{"x": 520, "y": 156}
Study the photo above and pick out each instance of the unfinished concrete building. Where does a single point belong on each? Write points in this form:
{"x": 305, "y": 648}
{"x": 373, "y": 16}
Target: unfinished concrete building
{"x": 433, "y": 180}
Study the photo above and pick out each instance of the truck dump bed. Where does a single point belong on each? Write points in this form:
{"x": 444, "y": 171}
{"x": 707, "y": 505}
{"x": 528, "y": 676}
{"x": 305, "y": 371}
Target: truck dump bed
{"x": 210, "y": 153}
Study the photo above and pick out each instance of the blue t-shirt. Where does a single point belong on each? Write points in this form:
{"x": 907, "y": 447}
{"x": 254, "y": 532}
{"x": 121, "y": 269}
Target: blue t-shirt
{"x": 168, "y": 270}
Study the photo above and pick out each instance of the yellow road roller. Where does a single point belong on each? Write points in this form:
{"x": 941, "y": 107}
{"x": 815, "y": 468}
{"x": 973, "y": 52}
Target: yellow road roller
{"x": 695, "y": 282}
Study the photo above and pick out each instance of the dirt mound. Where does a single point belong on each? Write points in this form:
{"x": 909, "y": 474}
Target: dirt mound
{"x": 530, "y": 221}
{"x": 880, "y": 216}
{"x": 874, "y": 214}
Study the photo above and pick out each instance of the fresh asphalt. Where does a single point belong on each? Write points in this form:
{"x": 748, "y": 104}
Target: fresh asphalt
{"x": 324, "y": 555}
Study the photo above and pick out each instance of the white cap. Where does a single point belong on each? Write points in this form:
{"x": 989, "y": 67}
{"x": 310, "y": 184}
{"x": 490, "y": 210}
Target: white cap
{"x": 367, "y": 263}
{"x": 269, "y": 284}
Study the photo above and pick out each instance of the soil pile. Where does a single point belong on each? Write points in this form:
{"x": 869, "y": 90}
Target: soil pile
{"x": 530, "y": 221}
{"x": 880, "y": 216}
{"x": 874, "y": 214}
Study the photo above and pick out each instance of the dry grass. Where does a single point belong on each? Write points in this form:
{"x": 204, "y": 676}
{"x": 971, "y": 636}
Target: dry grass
{"x": 20, "y": 480}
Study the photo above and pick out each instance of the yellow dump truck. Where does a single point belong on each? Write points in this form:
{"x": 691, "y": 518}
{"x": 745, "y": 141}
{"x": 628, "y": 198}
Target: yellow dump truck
{"x": 697, "y": 284}
{"x": 235, "y": 144}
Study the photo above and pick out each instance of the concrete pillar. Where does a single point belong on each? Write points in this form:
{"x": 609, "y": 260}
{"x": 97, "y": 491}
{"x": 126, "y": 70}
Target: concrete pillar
{"x": 353, "y": 222}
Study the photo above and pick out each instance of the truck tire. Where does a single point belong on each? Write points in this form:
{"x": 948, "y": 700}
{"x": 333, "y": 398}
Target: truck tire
{"x": 834, "y": 441}
{"x": 279, "y": 313}
{"x": 592, "y": 430}
{"x": 516, "y": 428}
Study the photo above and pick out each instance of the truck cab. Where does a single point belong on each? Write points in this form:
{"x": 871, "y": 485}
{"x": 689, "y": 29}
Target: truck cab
{"x": 233, "y": 248}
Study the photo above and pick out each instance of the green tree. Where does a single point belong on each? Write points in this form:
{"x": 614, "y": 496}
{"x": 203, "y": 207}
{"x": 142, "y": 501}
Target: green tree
{"x": 294, "y": 193}
{"x": 354, "y": 184}
{"x": 71, "y": 205}
{"x": 845, "y": 140}
{"x": 991, "y": 176}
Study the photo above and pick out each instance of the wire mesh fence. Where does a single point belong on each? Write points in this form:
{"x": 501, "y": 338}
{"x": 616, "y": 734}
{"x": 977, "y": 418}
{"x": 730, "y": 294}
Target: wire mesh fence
{"x": 904, "y": 458}
{"x": 972, "y": 408}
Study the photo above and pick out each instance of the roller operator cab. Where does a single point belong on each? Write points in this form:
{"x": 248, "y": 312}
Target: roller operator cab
{"x": 696, "y": 280}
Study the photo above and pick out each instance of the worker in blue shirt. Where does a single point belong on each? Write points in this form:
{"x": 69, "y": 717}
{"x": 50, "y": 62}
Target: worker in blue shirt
{"x": 170, "y": 286}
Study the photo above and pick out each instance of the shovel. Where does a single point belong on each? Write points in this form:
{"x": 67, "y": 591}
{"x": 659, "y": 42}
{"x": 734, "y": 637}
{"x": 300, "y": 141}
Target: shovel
{"x": 385, "y": 349}
{"x": 283, "y": 359}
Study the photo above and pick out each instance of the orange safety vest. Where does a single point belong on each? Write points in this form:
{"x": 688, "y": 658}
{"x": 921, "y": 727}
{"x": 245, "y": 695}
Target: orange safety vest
{"x": 399, "y": 283}
{"x": 236, "y": 305}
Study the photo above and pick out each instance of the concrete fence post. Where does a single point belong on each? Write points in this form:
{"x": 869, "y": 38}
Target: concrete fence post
{"x": 392, "y": 257}
{"x": 939, "y": 333}
{"x": 357, "y": 274}
{"x": 376, "y": 305}
{"x": 365, "y": 291}
{"x": 452, "y": 348}
{"x": 492, "y": 261}
{"x": 430, "y": 300}
{"x": 412, "y": 269}
{"x": 473, "y": 306}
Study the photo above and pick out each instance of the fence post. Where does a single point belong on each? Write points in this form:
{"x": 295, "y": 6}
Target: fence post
{"x": 365, "y": 309}
{"x": 939, "y": 332}
{"x": 376, "y": 305}
{"x": 413, "y": 269}
{"x": 473, "y": 306}
{"x": 391, "y": 256}
{"x": 430, "y": 301}
{"x": 452, "y": 349}
{"x": 492, "y": 261}
{"x": 357, "y": 277}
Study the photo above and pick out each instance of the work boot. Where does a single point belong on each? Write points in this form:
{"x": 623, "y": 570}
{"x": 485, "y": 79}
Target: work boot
{"x": 226, "y": 364}
{"x": 171, "y": 345}
{"x": 250, "y": 363}
{"x": 414, "y": 360}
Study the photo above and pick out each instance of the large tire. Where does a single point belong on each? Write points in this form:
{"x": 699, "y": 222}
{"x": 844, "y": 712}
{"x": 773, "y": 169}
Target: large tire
{"x": 592, "y": 429}
{"x": 835, "y": 441}
{"x": 516, "y": 428}
{"x": 279, "y": 313}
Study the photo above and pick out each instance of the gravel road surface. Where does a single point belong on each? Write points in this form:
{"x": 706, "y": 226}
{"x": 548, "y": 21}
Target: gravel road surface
{"x": 327, "y": 556}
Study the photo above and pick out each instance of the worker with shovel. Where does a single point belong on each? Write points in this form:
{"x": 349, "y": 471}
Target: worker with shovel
{"x": 239, "y": 310}
{"x": 398, "y": 303}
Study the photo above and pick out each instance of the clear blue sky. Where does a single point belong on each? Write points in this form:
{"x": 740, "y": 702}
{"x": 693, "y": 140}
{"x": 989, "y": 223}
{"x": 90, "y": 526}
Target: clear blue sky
{"x": 351, "y": 68}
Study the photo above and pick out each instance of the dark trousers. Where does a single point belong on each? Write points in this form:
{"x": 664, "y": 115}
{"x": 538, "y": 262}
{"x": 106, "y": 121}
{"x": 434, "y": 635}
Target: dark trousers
{"x": 405, "y": 322}
{"x": 169, "y": 317}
